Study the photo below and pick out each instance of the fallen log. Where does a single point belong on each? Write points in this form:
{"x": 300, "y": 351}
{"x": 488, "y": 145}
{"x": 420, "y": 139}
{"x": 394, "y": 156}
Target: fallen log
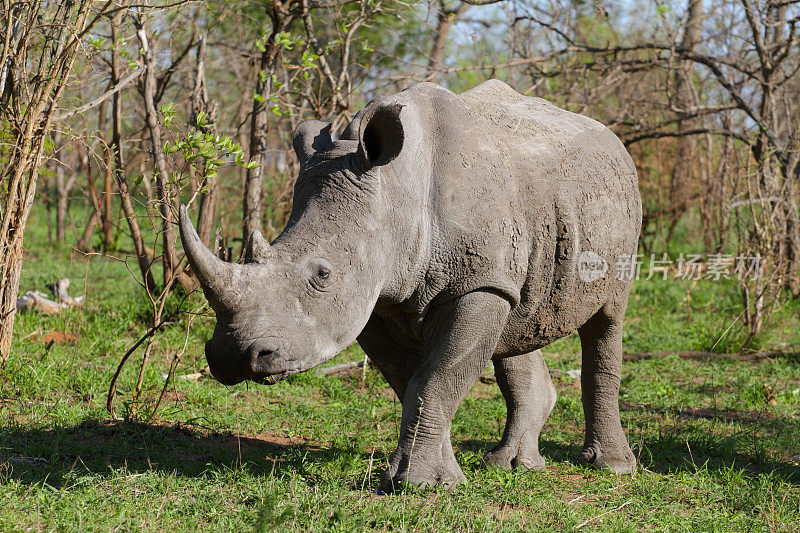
{"x": 337, "y": 370}
{"x": 699, "y": 354}
{"x": 488, "y": 375}
{"x": 346, "y": 369}
{"x": 60, "y": 288}
{"x": 38, "y": 301}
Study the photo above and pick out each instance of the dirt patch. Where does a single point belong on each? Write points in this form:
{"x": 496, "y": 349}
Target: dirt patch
{"x": 126, "y": 440}
{"x": 726, "y": 415}
{"x": 58, "y": 337}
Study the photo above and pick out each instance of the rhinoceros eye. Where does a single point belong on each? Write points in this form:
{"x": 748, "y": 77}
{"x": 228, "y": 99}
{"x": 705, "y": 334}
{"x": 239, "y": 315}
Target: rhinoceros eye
{"x": 320, "y": 274}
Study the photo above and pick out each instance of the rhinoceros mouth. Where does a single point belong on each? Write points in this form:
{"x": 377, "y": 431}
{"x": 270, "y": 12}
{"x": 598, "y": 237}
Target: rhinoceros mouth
{"x": 274, "y": 375}
{"x": 272, "y": 379}
{"x": 261, "y": 379}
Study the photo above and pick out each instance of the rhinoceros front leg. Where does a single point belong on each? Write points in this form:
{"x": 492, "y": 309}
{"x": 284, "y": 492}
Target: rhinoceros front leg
{"x": 605, "y": 445}
{"x": 460, "y": 337}
{"x": 530, "y": 396}
{"x": 397, "y": 362}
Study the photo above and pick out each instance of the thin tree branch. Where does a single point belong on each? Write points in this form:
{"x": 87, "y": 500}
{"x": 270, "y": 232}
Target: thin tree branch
{"x": 102, "y": 98}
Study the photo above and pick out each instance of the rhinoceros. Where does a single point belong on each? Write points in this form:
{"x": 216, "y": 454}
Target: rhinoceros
{"x": 443, "y": 231}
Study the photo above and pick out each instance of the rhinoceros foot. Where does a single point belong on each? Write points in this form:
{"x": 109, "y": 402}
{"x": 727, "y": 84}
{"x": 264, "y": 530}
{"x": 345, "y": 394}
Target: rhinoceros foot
{"x": 420, "y": 479}
{"x": 422, "y": 471}
{"x": 513, "y": 456}
{"x": 619, "y": 459}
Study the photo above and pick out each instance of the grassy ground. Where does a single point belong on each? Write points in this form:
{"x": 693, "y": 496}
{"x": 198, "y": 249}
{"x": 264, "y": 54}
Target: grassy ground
{"x": 718, "y": 441}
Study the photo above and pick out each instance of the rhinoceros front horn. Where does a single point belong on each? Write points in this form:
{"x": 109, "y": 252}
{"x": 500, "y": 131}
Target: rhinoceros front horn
{"x": 215, "y": 275}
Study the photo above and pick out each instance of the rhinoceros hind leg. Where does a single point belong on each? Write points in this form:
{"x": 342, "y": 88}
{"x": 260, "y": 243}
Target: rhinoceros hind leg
{"x": 605, "y": 445}
{"x": 530, "y": 396}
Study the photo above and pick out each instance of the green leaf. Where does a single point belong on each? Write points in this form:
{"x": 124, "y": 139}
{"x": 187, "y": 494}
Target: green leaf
{"x": 261, "y": 42}
{"x": 168, "y": 110}
{"x": 309, "y": 58}
{"x": 284, "y": 40}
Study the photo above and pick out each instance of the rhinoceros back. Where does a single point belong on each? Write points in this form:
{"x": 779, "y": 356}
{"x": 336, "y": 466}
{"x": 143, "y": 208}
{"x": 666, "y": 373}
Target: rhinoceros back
{"x": 578, "y": 188}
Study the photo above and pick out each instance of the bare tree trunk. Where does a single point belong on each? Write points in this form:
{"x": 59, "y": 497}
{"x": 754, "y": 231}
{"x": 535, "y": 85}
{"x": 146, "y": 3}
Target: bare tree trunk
{"x": 208, "y": 209}
{"x": 30, "y": 87}
{"x": 64, "y": 186}
{"x": 775, "y": 176}
{"x": 119, "y": 168}
{"x": 792, "y": 242}
{"x": 62, "y": 203}
{"x": 15, "y": 216}
{"x": 84, "y": 243}
{"x": 107, "y": 225}
{"x": 253, "y": 190}
{"x": 714, "y": 214}
{"x": 108, "y": 185}
{"x": 48, "y": 203}
{"x": 163, "y": 186}
{"x": 681, "y": 183}
{"x": 201, "y": 104}
{"x": 242, "y": 134}
{"x": 445, "y": 20}
{"x": 781, "y": 104}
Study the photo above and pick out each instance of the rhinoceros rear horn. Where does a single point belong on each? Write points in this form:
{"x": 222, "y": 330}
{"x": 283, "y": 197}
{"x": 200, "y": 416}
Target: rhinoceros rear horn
{"x": 311, "y": 136}
{"x": 257, "y": 248}
{"x": 380, "y": 135}
{"x": 215, "y": 275}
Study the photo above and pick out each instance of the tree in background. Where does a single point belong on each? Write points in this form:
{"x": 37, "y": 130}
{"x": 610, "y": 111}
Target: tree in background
{"x": 40, "y": 42}
{"x": 704, "y": 96}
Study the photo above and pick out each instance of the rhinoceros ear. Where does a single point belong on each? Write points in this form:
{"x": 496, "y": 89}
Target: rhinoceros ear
{"x": 310, "y": 137}
{"x": 380, "y": 135}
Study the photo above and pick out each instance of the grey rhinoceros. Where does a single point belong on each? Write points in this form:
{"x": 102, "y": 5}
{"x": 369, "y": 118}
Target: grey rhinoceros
{"x": 443, "y": 231}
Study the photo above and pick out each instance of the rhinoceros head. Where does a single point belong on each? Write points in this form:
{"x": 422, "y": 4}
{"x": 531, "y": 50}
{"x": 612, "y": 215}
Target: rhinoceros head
{"x": 297, "y": 302}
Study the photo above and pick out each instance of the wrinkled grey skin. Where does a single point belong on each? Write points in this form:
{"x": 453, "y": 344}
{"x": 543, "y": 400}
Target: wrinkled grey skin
{"x": 442, "y": 231}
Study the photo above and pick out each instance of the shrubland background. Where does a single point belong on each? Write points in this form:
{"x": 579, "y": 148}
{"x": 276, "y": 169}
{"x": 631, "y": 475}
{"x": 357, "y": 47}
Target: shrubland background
{"x": 196, "y": 102}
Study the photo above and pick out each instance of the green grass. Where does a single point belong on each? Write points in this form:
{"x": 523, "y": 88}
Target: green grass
{"x": 718, "y": 441}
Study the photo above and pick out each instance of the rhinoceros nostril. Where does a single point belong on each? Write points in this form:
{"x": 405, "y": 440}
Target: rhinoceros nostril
{"x": 264, "y": 353}
{"x": 266, "y": 362}
{"x": 262, "y": 361}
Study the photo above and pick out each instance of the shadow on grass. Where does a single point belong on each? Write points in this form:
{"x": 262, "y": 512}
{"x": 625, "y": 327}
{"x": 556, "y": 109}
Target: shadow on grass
{"x": 53, "y": 455}
{"x": 675, "y": 452}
